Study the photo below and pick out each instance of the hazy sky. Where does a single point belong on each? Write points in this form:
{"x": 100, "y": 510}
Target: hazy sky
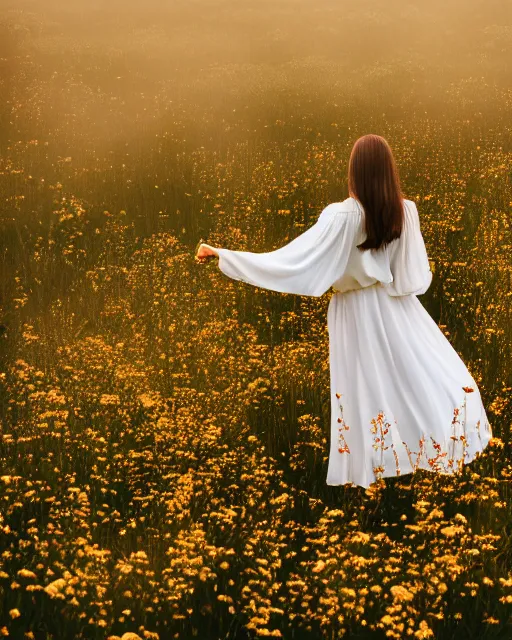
{"x": 174, "y": 34}
{"x": 101, "y": 69}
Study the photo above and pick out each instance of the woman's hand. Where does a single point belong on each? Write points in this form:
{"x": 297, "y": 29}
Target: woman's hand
{"x": 205, "y": 251}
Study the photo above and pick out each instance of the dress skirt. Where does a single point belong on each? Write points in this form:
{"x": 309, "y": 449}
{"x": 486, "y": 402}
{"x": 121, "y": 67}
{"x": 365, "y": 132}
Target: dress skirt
{"x": 401, "y": 397}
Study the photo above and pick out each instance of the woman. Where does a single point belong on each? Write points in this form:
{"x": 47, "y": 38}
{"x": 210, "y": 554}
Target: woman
{"x": 401, "y": 397}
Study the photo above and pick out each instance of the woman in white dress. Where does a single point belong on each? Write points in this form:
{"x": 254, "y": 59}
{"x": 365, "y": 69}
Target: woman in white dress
{"x": 401, "y": 397}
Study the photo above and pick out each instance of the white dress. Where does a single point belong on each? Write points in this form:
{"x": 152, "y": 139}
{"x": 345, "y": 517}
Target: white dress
{"x": 401, "y": 397}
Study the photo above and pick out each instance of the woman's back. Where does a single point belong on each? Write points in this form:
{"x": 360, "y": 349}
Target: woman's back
{"x": 401, "y": 266}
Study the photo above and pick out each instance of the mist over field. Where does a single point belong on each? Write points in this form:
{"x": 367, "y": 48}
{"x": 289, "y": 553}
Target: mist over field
{"x": 108, "y": 69}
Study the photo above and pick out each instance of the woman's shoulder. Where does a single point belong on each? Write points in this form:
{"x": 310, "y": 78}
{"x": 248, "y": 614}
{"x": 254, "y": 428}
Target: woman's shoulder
{"x": 341, "y": 211}
{"x": 411, "y": 206}
{"x": 349, "y": 205}
{"x": 353, "y": 207}
{"x": 411, "y": 210}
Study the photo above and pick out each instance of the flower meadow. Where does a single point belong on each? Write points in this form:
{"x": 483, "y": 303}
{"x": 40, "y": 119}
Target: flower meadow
{"x": 164, "y": 429}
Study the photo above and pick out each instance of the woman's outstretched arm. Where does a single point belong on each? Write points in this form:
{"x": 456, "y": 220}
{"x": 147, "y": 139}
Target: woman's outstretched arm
{"x": 308, "y": 265}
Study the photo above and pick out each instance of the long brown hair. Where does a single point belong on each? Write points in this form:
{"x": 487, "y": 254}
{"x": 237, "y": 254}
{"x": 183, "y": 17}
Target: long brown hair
{"x": 373, "y": 180}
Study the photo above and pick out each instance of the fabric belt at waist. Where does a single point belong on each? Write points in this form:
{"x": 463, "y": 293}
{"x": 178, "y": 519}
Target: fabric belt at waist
{"x": 375, "y": 284}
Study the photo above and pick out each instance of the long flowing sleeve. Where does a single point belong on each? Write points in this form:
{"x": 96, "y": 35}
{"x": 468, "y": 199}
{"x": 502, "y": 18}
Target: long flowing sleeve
{"x": 408, "y": 260}
{"x": 308, "y": 265}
